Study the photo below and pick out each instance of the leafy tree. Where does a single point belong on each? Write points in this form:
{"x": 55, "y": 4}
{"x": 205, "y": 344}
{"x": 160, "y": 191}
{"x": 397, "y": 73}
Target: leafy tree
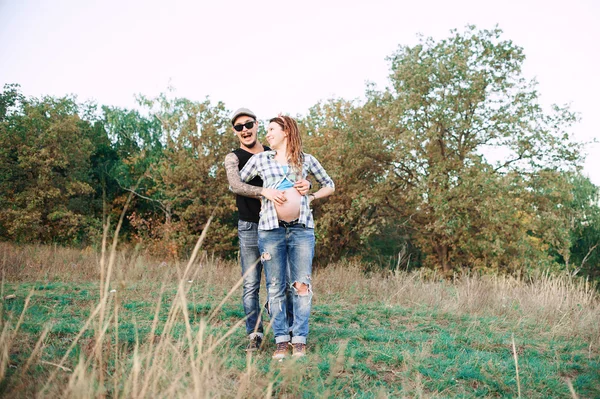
{"x": 188, "y": 183}
{"x": 454, "y": 100}
{"x": 136, "y": 139}
{"x": 413, "y": 156}
{"x": 128, "y": 144}
{"x": 584, "y": 212}
{"x": 344, "y": 136}
{"x": 9, "y": 99}
{"x": 45, "y": 157}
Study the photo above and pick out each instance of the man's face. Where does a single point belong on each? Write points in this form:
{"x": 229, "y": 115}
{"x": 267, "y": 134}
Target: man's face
{"x": 246, "y": 136}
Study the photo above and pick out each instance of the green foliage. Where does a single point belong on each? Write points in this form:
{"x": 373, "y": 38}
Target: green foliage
{"x": 584, "y": 212}
{"x": 188, "y": 183}
{"x": 136, "y": 139}
{"x": 454, "y": 165}
{"x": 411, "y": 161}
{"x": 344, "y": 138}
{"x": 454, "y": 100}
{"x": 9, "y": 99}
{"x": 45, "y": 163}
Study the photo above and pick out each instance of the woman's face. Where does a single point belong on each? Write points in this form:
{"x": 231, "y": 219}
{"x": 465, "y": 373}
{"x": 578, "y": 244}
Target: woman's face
{"x": 276, "y": 136}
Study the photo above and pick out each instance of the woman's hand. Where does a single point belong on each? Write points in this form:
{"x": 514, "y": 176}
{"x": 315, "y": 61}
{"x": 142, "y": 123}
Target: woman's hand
{"x": 302, "y": 186}
{"x": 277, "y": 196}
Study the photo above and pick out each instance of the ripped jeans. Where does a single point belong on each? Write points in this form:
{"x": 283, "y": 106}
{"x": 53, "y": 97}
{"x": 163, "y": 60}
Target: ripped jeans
{"x": 252, "y": 271}
{"x": 294, "y": 245}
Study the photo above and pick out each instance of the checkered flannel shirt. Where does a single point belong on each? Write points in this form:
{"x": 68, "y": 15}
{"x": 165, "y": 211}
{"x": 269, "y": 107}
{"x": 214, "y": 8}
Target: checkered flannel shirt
{"x": 271, "y": 172}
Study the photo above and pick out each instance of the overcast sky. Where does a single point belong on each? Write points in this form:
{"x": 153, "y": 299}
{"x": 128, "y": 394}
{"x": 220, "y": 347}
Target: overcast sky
{"x": 274, "y": 56}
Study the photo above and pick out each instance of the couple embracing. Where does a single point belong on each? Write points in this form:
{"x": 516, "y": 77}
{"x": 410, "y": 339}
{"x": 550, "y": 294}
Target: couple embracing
{"x": 276, "y": 227}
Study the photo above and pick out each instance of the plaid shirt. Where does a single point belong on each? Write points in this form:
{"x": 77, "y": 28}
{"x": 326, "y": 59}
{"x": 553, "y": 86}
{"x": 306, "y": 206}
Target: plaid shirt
{"x": 271, "y": 172}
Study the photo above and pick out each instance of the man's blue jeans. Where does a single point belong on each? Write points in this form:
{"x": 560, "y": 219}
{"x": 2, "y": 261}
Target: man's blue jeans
{"x": 252, "y": 271}
{"x": 280, "y": 247}
{"x": 249, "y": 257}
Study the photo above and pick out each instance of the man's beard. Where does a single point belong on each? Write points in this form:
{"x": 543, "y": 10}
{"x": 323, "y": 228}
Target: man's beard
{"x": 251, "y": 145}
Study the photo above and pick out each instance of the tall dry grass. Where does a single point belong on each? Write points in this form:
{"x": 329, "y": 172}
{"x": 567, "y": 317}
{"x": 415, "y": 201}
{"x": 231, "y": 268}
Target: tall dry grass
{"x": 159, "y": 365}
{"x": 563, "y": 304}
{"x": 193, "y": 364}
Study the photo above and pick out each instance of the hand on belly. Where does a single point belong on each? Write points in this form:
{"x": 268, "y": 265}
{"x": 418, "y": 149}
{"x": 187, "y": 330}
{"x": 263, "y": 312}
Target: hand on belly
{"x": 290, "y": 209}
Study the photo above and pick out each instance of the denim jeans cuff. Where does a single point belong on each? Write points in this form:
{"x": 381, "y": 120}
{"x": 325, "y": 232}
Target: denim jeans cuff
{"x": 282, "y": 338}
{"x": 298, "y": 340}
{"x": 255, "y": 334}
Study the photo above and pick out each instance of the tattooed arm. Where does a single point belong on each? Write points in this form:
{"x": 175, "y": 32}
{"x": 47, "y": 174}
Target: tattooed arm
{"x": 233, "y": 177}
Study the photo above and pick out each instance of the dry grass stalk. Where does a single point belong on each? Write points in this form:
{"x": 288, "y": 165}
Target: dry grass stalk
{"x": 36, "y": 351}
{"x": 571, "y": 389}
{"x": 88, "y": 322}
{"x": 7, "y": 338}
{"x": 514, "y": 348}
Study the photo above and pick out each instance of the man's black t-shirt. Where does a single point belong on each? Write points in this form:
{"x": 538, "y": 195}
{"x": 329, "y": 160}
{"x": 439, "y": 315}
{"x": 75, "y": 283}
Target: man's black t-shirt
{"x": 249, "y": 208}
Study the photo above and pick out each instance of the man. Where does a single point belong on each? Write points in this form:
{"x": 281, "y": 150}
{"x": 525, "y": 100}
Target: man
{"x": 245, "y": 127}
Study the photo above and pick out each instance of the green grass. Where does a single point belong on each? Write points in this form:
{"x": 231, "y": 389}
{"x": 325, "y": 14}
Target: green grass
{"x": 356, "y": 349}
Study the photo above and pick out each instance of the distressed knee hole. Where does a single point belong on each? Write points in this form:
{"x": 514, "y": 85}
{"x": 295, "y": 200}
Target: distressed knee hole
{"x": 270, "y": 305}
{"x": 301, "y": 288}
{"x": 265, "y": 256}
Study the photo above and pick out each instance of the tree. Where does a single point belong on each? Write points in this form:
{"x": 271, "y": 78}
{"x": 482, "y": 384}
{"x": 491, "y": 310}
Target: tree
{"x": 45, "y": 157}
{"x": 415, "y": 157}
{"x": 584, "y": 212}
{"x": 10, "y": 98}
{"x": 451, "y": 102}
{"x": 188, "y": 183}
{"x": 344, "y": 136}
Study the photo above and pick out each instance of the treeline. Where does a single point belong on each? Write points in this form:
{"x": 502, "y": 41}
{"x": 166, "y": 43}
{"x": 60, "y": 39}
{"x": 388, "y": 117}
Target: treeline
{"x": 454, "y": 165}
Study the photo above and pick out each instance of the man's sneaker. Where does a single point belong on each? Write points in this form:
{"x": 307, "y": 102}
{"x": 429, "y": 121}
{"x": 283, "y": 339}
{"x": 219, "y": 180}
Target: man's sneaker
{"x": 298, "y": 349}
{"x": 281, "y": 351}
{"x": 254, "y": 344}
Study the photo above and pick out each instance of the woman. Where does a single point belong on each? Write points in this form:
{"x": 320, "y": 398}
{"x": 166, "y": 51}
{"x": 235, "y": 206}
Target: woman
{"x": 286, "y": 228}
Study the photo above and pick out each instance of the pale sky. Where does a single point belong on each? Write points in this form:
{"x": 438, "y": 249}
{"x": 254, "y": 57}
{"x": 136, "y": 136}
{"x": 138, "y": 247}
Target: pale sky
{"x": 282, "y": 56}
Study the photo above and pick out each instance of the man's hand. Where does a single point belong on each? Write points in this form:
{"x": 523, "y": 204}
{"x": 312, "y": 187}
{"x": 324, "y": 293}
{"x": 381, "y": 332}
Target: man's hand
{"x": 277, "y": 196}
{"x": 302, "y": 186}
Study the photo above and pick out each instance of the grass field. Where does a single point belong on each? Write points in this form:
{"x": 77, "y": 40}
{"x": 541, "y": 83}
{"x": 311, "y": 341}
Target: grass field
{"x": 165, "y": 332}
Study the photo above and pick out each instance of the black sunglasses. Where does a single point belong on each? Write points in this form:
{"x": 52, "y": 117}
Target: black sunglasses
{"x": 247, "y": 125}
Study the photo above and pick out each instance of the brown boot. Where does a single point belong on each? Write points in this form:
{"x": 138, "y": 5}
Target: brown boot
{"x": 281, "y": 351}
{"x": 298, "y": 349}
{"x": 254, "y": 344}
